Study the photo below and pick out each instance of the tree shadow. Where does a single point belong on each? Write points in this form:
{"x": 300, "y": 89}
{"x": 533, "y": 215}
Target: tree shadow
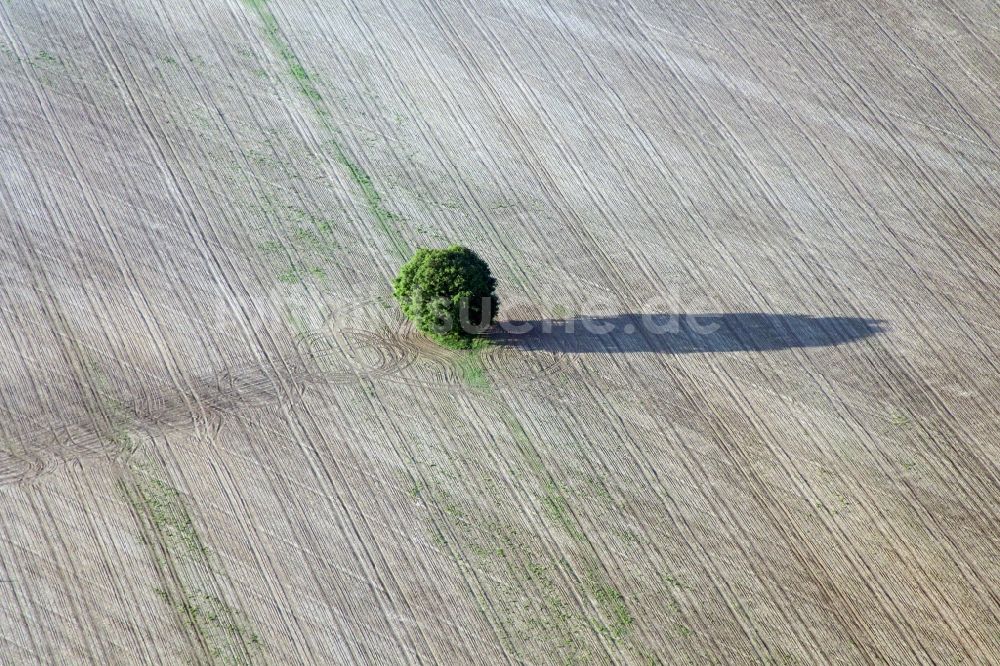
{"x": 683, "y": 333}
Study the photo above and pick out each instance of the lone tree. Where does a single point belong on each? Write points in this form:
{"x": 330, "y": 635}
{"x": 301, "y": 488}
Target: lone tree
{"x": 448, "y": 294}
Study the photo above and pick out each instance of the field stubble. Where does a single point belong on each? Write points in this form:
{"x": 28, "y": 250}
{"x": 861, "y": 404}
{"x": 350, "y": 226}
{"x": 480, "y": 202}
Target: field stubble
{"x": 222, "y": 444}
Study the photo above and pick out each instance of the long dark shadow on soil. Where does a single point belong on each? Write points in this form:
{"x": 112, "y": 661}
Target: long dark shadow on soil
{"x": 683, "y": 333}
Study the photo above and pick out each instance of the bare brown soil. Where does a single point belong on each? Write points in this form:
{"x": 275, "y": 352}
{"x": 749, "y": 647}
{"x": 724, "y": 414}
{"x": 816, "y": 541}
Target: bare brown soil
{"x": 220, "y": 443}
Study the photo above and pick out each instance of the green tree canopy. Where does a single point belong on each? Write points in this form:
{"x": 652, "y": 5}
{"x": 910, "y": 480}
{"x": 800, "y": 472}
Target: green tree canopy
{"x": 449, "y": 294}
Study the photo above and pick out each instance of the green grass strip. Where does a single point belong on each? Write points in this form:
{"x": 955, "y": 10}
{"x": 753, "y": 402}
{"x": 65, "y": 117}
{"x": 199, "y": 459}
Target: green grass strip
{"x": 384, "y": 217}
